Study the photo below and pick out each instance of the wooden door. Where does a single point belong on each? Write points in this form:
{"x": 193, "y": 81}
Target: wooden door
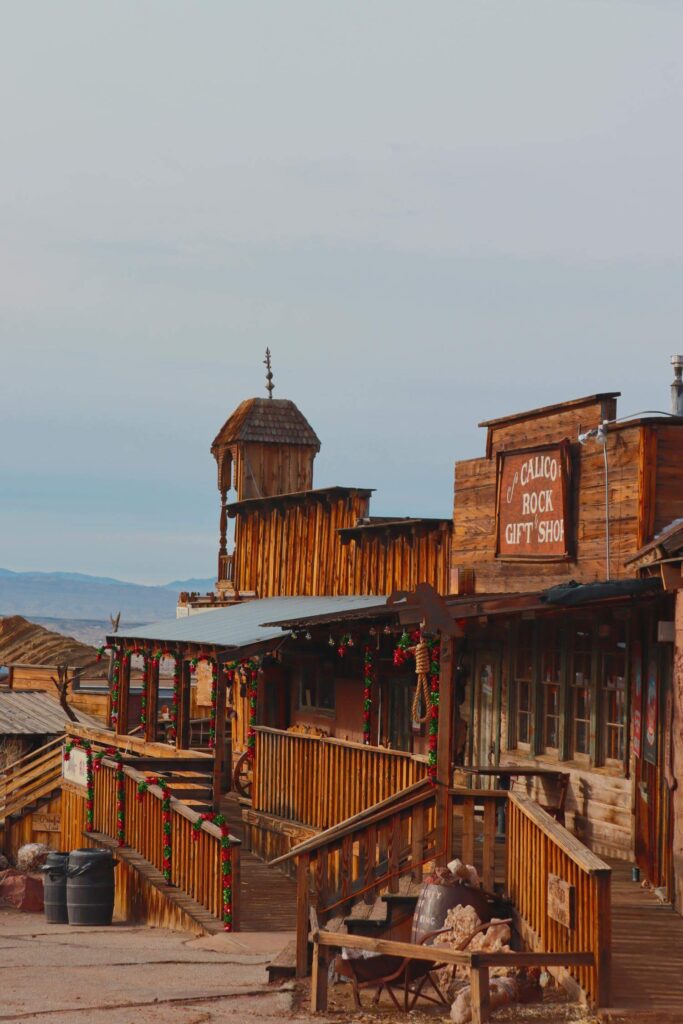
{"x": 401, "y": 694}
{"x": 487, "y": 676}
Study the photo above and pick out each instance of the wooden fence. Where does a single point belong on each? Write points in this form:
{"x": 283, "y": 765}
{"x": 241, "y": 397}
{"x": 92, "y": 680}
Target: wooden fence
{"x": 537, "y": 848}
{"x": 30, "y": 778}
{"x": 196, "y": 863}
{"x": 320, "y": 781}
{"x": 366, "y": 857}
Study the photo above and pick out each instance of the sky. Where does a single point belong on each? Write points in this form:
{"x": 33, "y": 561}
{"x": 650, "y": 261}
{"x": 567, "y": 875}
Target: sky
{"x": 433, "y": 214}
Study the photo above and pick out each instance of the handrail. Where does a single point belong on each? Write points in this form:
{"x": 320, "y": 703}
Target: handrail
{"x": 371, "y": 816}
{"x": 133, "y": 745}
{"x": 569, "y": 844}
{"x": 176, "y": 805}
{"x": 337, "y": 742}
{"x": 37, "y": 775}
{"x": 11, "y": 767}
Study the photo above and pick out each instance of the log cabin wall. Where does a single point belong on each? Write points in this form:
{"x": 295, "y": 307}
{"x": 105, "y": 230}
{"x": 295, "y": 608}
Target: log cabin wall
{"x": 645, "y": 460}
{"x": 36, "y": 677}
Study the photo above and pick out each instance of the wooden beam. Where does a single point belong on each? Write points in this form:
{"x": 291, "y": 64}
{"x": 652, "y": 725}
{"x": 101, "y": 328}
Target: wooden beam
{"x": 302, "y": 916}
{"x": 480, "y": 994}
{"x": 124, "y": 695}
{"x": 444, "y": 744}
{"x": 152, "y": 709}
{"x": 183, "y": 723}
{"x": 219, "y": 739}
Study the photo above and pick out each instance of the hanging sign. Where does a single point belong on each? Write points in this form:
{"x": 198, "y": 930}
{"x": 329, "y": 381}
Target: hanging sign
{"x": 561, "y": 901}
{"x": 533, "y": 503}
{"x": 637, "y": 709}
{"x": 650, "y": 744}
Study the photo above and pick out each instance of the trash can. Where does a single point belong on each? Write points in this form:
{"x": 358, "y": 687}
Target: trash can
{"x": 90, "y": 887}
{"x": 54, "y": 886}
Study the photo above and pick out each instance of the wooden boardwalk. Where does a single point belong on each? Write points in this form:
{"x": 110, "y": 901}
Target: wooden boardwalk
{"x": 268, "y": 896}
{"x": 647, "y": 955}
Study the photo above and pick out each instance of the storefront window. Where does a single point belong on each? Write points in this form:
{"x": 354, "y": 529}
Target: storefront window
{"x": 613, "y": 690}
{"x": 581, "y": 688}
{"x": 316, "y": 687}
{"x": 551, "y": 678}
{"x": 524, "y": 672}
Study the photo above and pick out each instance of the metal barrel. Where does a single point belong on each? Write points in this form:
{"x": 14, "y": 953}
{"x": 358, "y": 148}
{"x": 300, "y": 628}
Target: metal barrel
{"x": 54, "y": 885}
{"x": 90, "y": 887}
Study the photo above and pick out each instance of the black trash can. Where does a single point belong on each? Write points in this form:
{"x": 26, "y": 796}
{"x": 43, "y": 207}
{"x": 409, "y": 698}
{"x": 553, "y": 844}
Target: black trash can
{"x": 90, "y": 887}
{"x": 54, "y": 885}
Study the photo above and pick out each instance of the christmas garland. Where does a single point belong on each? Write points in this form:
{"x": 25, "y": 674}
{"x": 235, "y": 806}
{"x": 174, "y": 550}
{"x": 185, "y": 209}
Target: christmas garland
{"x": 251, "y": 669}
{"x": 117, "y": 756}
{"x": 402, "y": 652}
{"x": 177, "y": 668}
{"x": 144, "y": 679}
{"x": 214, "y": 693}
{"x": 89, "y": 778}
{"x": 226, "y": 861}
{"x": 115, "y": 692}
{"x": 166, "y": 828}
{"x": 368, "y": 677}
{"x": 344, "y": 644}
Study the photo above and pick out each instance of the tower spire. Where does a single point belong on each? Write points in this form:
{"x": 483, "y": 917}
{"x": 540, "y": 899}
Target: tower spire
{"x": 269, "y": 374}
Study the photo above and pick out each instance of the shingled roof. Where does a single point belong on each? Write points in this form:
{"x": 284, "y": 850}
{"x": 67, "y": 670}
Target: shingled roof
{"x": 267, "y": 421}
{"x": 26, "y": 643}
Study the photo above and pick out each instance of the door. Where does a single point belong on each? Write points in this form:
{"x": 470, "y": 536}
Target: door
{"x": 400, "y": 713}
{"x": 487, "y": 676}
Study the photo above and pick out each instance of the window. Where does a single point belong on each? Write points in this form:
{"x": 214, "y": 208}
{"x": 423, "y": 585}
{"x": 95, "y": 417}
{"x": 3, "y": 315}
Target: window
{"x": 524, "y": 674}
{"x": 582, "y": 678}
{"x": 613, "y": 690}
{"x": 316, "y": 686}
{"x": 551, "y": 671}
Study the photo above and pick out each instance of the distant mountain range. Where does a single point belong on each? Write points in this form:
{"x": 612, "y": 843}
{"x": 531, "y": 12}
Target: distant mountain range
{"x": 74, "y": 595}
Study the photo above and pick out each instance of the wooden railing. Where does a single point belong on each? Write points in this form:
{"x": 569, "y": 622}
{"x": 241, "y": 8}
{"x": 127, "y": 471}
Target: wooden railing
{"x": 320, "y": 781}
{"x": 226, "y": 566}
{"x": 196, "y": 863}
{"x": 30, "y": 777}
{"x": 367, "y": 855}
{"x": 538, "y": 847}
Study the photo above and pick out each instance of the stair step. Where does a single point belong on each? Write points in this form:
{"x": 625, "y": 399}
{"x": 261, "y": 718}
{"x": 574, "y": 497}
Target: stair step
{"x": 284, "y": 964}
{"x": 195, "y": 911}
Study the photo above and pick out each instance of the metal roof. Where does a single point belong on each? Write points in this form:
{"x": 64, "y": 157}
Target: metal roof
{"x": 241, "y": 625}
{"x": 27, "y": 712}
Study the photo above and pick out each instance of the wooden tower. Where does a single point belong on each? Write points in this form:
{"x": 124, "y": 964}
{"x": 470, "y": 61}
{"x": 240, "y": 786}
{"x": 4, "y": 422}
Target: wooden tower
{"x": 266, "y": 447}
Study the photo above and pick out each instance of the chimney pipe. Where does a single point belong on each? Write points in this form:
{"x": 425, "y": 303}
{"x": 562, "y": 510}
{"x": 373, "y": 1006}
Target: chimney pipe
{"x": 677, "y": 386}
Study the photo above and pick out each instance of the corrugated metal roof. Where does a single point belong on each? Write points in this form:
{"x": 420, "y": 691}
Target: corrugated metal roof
{"x": 26, "y": 643}
{"x": 26, "y": 712}
{"x": 267, "y": 421}
{"x": 241, "y": 625}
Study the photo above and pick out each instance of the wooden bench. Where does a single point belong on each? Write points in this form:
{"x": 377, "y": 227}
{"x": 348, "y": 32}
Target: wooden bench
{"x": 479, "y": 964}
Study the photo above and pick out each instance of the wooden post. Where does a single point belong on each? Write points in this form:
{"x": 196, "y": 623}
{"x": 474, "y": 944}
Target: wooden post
{"x": 302, "y": 905}
{"x": 219, "y": 740}
{"x": 236, "y": 887}
{"x": 319, "y": 978}
{"x": 152, "y": 698}
{"x": 124, "y": 692}
{"x": 444, "y": 745}
{"x": 183, "y": 727}
{"x": 480, "y": 993}
{"x": 677, "y": 754}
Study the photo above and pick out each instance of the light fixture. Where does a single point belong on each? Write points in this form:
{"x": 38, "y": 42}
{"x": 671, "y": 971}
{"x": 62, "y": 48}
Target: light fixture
{"x": 331, "y": 641}
{"x": 308, "y": 635}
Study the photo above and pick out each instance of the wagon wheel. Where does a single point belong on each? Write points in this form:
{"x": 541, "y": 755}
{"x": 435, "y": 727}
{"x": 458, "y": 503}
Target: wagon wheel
{"x": 241, "y": 776}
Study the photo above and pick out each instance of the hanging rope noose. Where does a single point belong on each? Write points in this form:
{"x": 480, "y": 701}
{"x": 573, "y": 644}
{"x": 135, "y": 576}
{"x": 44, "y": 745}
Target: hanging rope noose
{"x": 422, "y": 665}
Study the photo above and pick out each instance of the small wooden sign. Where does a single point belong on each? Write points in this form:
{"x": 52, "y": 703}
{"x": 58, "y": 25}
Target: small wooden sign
{"x": 561, "y": 901}
{"x": 41, "y": 822}
{"x": 75, "y": 770}
{"x": 203, "y": 679}
{"x": 533, "y": 503}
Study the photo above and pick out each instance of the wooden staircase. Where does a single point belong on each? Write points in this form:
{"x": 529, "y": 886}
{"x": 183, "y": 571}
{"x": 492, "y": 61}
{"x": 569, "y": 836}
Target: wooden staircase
{"x": 31, "y": 781}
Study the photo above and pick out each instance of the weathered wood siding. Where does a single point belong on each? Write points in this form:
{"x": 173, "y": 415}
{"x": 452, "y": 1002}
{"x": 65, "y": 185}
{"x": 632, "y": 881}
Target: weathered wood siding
{"x": 289, "y": 548}
{"x": 644, "y": 495}
{"x": 263, "y": 470}
{"x": 20, "y": 831}
{"x": 398, "y": 561}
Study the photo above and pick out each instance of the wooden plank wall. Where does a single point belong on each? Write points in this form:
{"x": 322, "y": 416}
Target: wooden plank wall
{"x": 398, "y": 561}
{"x": 263, "y": 470}
{"x": 474, "y": 540}
{"x": 16, "y": 833}
{"x": 295, "y": 548}
{"x": 669, "y": 476}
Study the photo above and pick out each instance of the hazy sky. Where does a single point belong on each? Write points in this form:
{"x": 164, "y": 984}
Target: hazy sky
{"x": 433, "y": 213}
